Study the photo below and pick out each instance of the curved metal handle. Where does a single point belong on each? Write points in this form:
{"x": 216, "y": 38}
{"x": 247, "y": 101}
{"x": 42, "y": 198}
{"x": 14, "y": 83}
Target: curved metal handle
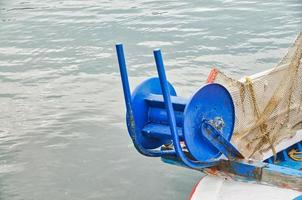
{"x": 171, "y": 116}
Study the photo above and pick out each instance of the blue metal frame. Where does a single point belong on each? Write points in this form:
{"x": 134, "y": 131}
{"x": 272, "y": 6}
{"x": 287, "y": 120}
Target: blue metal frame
{"x": 128, "y": 101}
{"x": 166, "y": 113}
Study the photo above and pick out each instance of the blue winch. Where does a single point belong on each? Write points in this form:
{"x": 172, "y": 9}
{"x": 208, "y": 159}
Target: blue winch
{"x": 194, "y": 132}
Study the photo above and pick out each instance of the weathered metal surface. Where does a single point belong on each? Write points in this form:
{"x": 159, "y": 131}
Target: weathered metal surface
{"x": 251, "y": 171}
{"x": 217, "y": 139}
{"x": 246, "y": 169}
{"x": 282, "y": 177}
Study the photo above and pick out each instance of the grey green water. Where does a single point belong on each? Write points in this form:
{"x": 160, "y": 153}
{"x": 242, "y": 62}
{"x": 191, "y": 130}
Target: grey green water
{"x": 62, "y": 129}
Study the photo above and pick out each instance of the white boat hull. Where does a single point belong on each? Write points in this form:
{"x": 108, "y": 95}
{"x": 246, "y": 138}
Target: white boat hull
{"x": 218, "y": 188}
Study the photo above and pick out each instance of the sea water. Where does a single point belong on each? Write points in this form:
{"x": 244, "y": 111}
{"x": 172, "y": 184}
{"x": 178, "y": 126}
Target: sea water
{"x": 62, "y": 121}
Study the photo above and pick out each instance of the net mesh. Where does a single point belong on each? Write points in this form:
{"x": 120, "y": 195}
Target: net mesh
{"x": 268, "y": 105}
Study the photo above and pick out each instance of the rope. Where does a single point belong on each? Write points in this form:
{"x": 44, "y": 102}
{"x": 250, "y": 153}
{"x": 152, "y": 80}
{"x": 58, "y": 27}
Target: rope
{"x": 295, "y": 155}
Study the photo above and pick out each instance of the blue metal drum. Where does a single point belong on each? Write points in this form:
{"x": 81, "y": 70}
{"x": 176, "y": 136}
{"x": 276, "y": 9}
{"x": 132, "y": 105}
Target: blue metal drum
{"x": 144, "y": 110}
{"x": 156, "y": 116}
{"x": 211, "y": 103}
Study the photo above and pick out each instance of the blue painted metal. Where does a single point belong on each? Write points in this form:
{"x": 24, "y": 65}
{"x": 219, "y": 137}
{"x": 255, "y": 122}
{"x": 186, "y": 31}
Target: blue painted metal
{"x": 271, "y": 168}
{"x": 141, "y": 112}
{"x": 159, "y": 116}
{"x": 131, "y": 120}
{"x": 219, "y": 141}
{"x": 210, "y": 103}
{"x": 282, "y": 176}
{"x": 156, "y": 117}
{"x": 282, "y": 158}
{"x": 178, "y": 103}
{"x": 242, "y": 169}
{"x": 171, "y": 116}
{"x": 160, "y": 131}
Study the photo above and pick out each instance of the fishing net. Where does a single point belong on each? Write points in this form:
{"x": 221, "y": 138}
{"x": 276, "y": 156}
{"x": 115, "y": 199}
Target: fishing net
{"x": 268, "y": 105}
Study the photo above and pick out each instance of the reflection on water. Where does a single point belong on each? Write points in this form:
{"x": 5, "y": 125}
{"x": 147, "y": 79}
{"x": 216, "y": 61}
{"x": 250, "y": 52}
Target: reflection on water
{"x": 62, "y": 130}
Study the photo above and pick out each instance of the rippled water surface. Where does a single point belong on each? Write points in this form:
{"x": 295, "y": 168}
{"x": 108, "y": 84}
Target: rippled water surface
{"x": 62, "y": 130}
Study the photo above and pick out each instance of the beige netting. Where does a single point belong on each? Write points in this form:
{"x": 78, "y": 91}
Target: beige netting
{"x": 268, "y": 105}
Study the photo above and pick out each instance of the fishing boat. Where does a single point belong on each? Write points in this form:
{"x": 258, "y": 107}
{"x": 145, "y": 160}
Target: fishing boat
{"x": 245, "y": 135}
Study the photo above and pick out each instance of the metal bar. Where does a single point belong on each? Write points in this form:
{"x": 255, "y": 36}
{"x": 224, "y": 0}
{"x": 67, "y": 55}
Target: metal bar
{"x": 171, "y": 115}
{"x": 220, "y": 143}
{"x": 160, "y": 130}
{"x": 124, "y": 77}
{"x": 159, "y": 116}
{"x": 155, "y": 100}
